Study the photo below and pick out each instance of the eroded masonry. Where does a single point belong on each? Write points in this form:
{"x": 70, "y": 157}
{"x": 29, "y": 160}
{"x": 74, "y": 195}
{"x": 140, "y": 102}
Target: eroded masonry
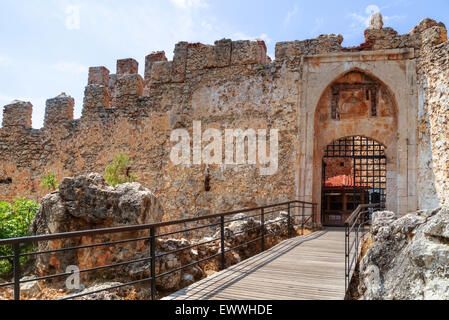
{"x": 372, "y": 118}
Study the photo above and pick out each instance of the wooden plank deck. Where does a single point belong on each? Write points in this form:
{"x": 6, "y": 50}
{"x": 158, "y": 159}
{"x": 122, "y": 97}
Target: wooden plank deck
{"x": 311, "y": 267}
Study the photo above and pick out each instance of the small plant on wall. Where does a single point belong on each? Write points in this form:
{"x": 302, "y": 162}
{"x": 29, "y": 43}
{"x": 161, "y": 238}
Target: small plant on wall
{"x": 119, "y": 171}
{"x": 49, "y": 182}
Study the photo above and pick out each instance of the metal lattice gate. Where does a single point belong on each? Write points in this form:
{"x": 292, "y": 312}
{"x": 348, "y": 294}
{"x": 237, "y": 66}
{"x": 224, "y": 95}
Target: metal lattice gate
{"x": 363, "y": 183}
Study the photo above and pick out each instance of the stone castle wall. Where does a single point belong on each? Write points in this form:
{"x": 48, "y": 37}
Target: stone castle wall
{"x": 435, "y": 73}
{"x": 231, "y": 84}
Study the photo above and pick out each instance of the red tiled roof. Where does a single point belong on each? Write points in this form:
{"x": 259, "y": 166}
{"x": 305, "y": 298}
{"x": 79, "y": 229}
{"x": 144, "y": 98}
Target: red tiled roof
{"x": 343, "y": 181}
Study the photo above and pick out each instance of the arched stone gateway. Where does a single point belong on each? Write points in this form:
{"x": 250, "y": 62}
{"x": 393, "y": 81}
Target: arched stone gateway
{"x": 356, "y": 105}
{"x": 354, "y": 173}
{"x": 357, "y": 101}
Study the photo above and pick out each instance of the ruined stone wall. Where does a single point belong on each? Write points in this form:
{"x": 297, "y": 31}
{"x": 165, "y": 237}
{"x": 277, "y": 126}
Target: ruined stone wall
{"x": 228, "y": 85}
{"x": 429, "y": 40}
{"x": 435, "y": 82}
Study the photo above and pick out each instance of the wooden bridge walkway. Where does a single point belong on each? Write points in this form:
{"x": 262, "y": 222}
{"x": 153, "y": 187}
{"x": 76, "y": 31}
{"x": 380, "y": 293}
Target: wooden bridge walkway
{"x": 310, "y": 267}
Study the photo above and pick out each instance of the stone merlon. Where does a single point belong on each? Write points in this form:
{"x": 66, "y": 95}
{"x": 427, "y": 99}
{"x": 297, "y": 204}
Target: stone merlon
{"x": 192, "y": 60}
{"x": 59, "y": 109}
{"x": 150, "y": 60}
{"x": 17, "y": 114}
{"x": 127, "y": 66}
{"x": 313, "y": 92}
{"x": 98, "y": 75}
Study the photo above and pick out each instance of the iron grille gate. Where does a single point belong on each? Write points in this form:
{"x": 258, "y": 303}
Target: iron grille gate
{"x": 368, "y": 173}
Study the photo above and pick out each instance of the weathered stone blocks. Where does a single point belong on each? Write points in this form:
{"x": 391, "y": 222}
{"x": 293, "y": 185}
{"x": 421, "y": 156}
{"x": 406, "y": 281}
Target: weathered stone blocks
{"x": 202, "y": 56}
{"x": 161, "y": 72}
{"x": 323, "y": 44}
{"x": 149, "y": 62}
{"x": 98, "y": 75}
{"x": 191, "y": 57}
{"x": 129, "y": 84}
{"x": 127, "y": 66}
{"x": 376, "y": 21}
{"x": 59, "y": 109}
{"x": 425, "y": 24}
{"x": 434, "y": 36}
{"x": 96, "y": 96}
{"x": 17, "y": 114}
{"x": 179, "y": 63}
{"x": 248, "y": 52}
{"x": 222, "y": 50}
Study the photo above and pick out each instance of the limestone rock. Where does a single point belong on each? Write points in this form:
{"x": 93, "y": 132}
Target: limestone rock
{"x": 376, "y": 21}
{"x": 87, "y": 202}
{"x": 29, "y": 288}
{"x": 187, "y": 279}
{"x": 425, "y": 24}
{"x": 113, "y": 294}
{"x": 409, "y": 259}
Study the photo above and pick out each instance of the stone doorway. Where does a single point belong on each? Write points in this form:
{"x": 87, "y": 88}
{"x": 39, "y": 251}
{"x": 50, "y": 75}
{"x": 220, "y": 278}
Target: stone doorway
{"x": 354, "y": 172}
{"x": 363, "y": 94}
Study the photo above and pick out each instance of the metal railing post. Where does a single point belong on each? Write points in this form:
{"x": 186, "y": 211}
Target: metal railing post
{"x": 223, "y": 258}
{"x": 153, "y": 261}
{"x": 346, "y": 256}
{"x": 289, "y": 223}
{"x": 303, "y": 218}
{"x": 262, "y": 226}
{"x": 357, "y": 228}
{"x": 17, "y": 271}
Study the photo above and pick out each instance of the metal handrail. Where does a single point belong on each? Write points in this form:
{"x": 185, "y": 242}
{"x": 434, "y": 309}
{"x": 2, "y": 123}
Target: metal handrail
{"x": 354, "y": 224}
{"x": 153, "y": 257}
{"x": 86, "y": 233}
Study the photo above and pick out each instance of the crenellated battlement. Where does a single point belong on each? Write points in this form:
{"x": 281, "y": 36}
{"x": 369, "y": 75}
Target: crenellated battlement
{"x": 59, "y": 110}
{"x": 234, "y": 84}
{"x": 124, "y": 88}
{"x": 17, "y": 114}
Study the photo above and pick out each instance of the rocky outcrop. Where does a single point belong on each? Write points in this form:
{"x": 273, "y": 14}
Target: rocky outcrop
{"x": 97, "y": 294}
{"x": 88, "y": 201}
{"x": 85, "y": 203}
{"x": 376, "y": 21}
{"x": 409, "y": 259}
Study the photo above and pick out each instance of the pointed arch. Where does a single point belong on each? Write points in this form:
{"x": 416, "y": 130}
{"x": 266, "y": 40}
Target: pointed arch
{"x": 394, "y": 127}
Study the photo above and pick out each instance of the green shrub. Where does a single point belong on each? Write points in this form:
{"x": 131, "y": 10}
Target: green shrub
{"x": 119, "y": 171}
{"x": 15, "y": 221}
{"x": 49, "y": 181}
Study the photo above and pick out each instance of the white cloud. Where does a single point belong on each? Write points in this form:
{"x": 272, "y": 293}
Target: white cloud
{"x": 362, "y": 21}
{"x": 185, "y": 4}
{"x": 73, "y": 17}
{"x": 243, "y": 36}
{"x": 5, "y": 99}
{"x": 372, "y": 9}
{"x": 206, "y": 25}
{"x": 290, "y": 15}
{"x": 71, "y": 67}
{"x": 38, "y": 107}
{"x": 5, "y": 60}
{"x": 318, "y": 24}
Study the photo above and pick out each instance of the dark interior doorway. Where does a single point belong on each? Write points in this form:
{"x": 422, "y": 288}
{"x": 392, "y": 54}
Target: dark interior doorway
{"x": 354, "y": 173}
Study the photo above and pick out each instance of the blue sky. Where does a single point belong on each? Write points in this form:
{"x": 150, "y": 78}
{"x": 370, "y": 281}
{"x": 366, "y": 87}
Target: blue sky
{"x": 46, "y": 46}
